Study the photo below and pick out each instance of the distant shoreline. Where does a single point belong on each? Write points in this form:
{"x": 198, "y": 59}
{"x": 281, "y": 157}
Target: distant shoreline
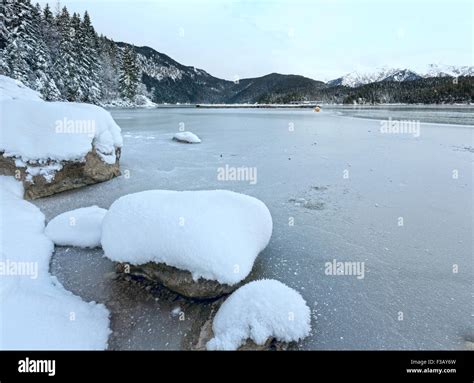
{"x": 286, "y": 106}
{"x": 256, "y": 106}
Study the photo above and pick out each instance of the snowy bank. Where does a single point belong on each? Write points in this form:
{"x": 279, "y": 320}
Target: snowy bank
{"x": 258, "y": 311}
{"x": 80, "y": 227}
{"x": 140, "y": 101}
{"x": 39, "y": 139}
{"x": 11, "y": 89}
{"x": 215, "y": 235}
{"x": 187, "y": 138}
{"x": 36, "y": 312}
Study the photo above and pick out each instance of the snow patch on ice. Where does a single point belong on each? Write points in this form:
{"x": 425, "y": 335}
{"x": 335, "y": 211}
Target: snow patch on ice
{"x": 214, "y": 234}
{"x": 260, "y": 310}
{"x": 187, "y": 137}
{"x": 80, "y": 227}
{"x": 36, "y": 311}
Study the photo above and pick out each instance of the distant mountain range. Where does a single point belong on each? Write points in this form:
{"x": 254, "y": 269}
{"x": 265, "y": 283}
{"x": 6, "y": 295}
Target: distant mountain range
{"x": 61, "y": 56}
{"x": 168, "y": 81}
{"x": 356, "y": 79}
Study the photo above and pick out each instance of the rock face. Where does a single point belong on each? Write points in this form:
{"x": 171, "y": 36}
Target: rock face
{"x": 179, "y": 281}
{"x": 71, "y": 175}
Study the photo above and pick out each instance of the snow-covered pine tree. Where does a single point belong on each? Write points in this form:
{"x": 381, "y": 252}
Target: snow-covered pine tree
{"x": 66, "y": 62}
{"x": 87, "y": 41}
{"x": 109, "y": 69}
{"x": 6, "y": 16}
{"x": 39, "y": 59}
{"x": 50, "y": 38}
{"x": 19, "y": 45}
{"x": 129, "y": 73}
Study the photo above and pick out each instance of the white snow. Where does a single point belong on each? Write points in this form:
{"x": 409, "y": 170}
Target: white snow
{"x": 140, "y": 101}
{"x": 257, "y": 311}
{"x": 81, "y": 227}
{"x": 442, "y": 70}
{"x": 11, "y": 89}
{"x": 187, "y": 137}
{"x": 42, "y": 132}
{"x": 214, "y": 234}
{"x": 36, "y": 312}
{"x": 143, "y": 101}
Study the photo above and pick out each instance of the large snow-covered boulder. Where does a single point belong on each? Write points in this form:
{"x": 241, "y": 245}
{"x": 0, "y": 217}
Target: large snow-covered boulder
{"x": 257, "y": 314}
{"x": 80, "y": 227}
{"x": 55, "y": 146}
{"x": 201, "y": 244}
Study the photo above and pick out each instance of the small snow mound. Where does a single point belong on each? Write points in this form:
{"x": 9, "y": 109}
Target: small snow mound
{"x": 11, "y": 89}
{"x": 187, "y": 137}
{"x": 214, "y": 234}
{"x": 81, "y": 227}
{"x": 260, "y": 310}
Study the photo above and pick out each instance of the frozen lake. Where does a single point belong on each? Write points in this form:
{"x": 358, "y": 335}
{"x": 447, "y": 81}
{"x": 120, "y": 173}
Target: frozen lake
{"x": 338, "y": 189}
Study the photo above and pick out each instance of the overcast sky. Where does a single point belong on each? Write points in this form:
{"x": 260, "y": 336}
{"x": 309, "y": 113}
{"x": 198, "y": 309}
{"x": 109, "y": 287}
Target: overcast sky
{"x": 318, "y": 39}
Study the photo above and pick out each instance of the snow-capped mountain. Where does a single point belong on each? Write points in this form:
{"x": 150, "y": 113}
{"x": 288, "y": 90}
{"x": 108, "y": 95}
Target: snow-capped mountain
{"x": 440, "y": 70}
{"x": 355, "y": 79}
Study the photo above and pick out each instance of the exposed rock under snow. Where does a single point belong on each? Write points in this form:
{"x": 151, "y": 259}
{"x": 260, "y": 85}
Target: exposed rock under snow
{"x": 179, "y": 281}
{"x": 215, "y": 235}
{"x": 80, "y": 227}
{"x": 260, "y": 311}
{"x": 187, "y": 137}
{"x": 37, "y": 313}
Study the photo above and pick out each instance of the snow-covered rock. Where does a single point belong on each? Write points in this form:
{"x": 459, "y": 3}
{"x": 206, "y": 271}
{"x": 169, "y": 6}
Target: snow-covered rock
{"x": 36, "y": 312}
{"x": 214, "y": 235}
{"x": 55, "y": 146}
{"x": 187, "y": 137}
{"x": 259, "y": 311}
{"x": 80, "y": 227}
{"x": 57, "y": 131}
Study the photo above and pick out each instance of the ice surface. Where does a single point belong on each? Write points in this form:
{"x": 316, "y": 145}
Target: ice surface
{"x": 80, "y": 227}
{"x": 215, "y": 234}
{"x": 36, "y": 312}
{"x": 188, "y": 137}
{"x": 260, "y": 310}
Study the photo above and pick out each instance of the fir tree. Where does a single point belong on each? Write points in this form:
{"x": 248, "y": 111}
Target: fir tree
{"x": 129, "y": 74}
{"x": 90, "y": 67}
